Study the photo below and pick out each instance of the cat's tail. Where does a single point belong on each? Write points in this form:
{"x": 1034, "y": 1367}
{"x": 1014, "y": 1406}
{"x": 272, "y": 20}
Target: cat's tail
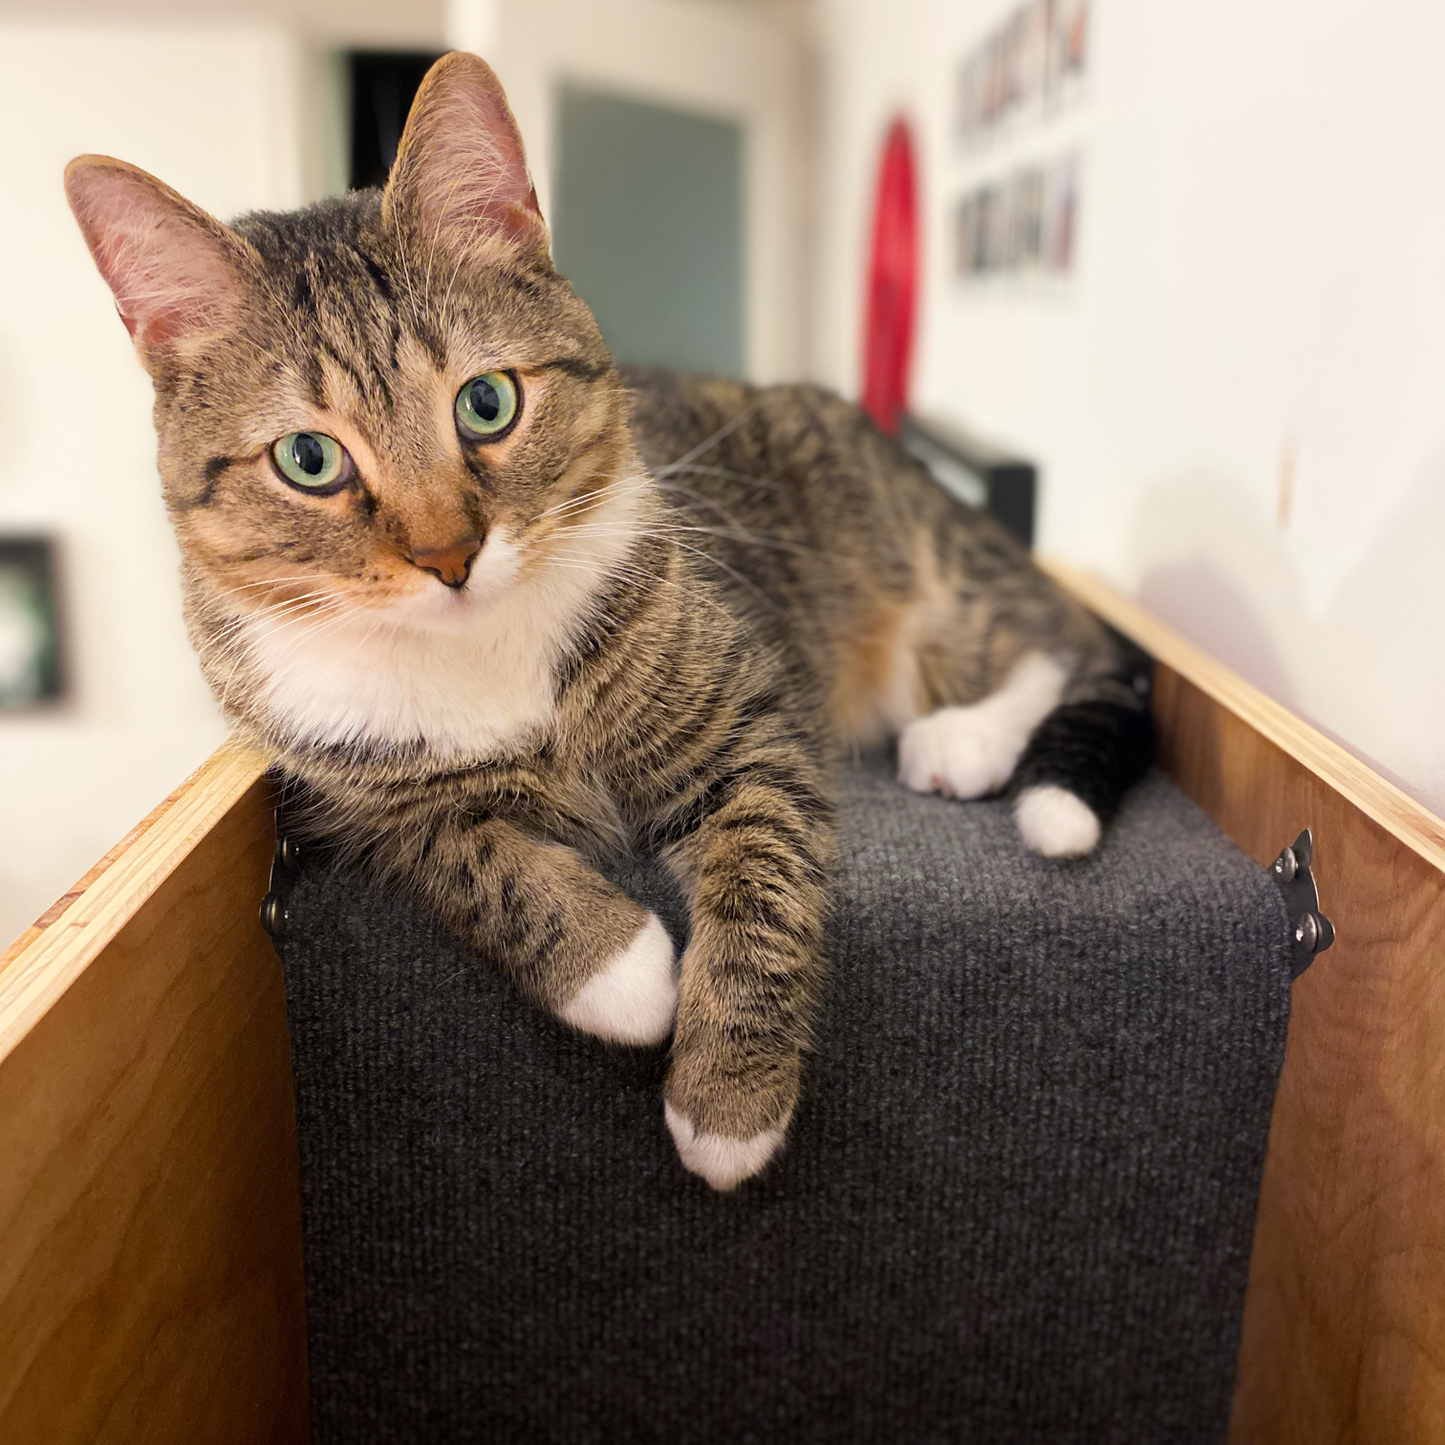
{"x": 1082, "y": 759}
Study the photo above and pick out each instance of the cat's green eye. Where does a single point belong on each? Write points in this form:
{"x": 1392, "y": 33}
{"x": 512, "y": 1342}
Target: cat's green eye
{"x": 311, "y": 460}
{"x": 487, "y": 405}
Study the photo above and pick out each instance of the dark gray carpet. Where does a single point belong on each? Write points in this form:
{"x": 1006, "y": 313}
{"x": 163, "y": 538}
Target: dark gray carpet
{"x": 1016, "y": 1206}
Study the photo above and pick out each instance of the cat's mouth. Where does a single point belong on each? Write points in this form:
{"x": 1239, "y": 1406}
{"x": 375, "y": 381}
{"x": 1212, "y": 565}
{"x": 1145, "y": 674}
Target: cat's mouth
{"x": 432, "y": 604}
{"x": 405, "y": 595}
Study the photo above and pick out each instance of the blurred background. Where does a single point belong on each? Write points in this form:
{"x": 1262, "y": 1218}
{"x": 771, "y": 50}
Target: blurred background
{"x": 1183, "y": 255}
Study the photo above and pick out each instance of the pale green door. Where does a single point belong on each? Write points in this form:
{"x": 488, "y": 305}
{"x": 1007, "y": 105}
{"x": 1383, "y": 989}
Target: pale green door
{"x": 648, "y": 225}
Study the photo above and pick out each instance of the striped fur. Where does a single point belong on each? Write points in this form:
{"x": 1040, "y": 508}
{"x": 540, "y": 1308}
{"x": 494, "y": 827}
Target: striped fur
{"x": 692, "y": 596}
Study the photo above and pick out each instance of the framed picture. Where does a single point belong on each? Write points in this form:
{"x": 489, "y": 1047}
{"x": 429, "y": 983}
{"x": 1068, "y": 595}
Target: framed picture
{"x": 1023, "y": 223}
{"x": 1031, "y": 62}
{"x": 30, "y": 660}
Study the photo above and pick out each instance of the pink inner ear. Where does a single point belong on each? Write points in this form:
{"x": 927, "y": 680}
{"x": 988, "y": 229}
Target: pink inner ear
{"x": 166, "y": 265}
{"x": 470, "y": 171}
{"x": 462, "y": 160}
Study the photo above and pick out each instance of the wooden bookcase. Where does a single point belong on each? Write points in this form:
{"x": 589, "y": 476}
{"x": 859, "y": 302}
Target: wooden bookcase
{"x": 150, "y": 1247}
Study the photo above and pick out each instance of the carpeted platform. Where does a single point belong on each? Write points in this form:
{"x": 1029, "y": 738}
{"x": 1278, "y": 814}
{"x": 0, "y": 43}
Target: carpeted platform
{"x": 1016, "y": 1206}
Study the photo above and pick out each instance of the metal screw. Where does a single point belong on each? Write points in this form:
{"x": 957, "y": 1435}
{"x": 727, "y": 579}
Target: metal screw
{"x": 1307, "y": 932}
{"x": 273, "y": 915}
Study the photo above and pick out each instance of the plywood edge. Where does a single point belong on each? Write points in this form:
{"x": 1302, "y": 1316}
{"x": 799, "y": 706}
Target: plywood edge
{"x": 49, "y": 957}
{"x": 1395, "y": 811}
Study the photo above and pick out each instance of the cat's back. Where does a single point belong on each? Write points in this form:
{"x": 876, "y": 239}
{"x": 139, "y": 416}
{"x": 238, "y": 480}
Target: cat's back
{"x": 702, "y": 427}
{"x": 796, "y": 490}
{"x": 792, "y": 465}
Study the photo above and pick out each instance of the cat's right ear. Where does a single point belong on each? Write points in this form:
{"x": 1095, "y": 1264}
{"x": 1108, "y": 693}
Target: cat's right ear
{"x": 461, "y": 173}
{"x": 175, "y": 272}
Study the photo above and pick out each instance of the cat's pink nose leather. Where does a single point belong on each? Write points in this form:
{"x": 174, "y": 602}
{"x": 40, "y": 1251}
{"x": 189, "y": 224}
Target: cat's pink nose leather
{"x": 453, "y": 565}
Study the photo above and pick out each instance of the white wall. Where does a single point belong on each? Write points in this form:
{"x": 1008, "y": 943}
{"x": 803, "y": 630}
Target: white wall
{"x": 213, "y": 112}
{"x": 1259, "y": 291}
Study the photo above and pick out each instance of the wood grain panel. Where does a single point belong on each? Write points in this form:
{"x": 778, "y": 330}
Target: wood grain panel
{"x": 150, "y": 1275}
{"x": 1344, "y": 1330}
{"x": 45, "y": 960}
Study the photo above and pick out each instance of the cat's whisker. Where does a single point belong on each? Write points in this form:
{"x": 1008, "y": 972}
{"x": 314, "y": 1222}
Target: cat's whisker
{"x": 617, "y": 489}
{"x": 319, "y": 594}
{"x": 735, "y": 575}
{"x": 757, "y": 539}
{"x": 293, "y": 629}
{"x": 233, "y": 626}
{"x": 260, "y": 607}
{"x": 229, "y": 639}
{"x": 770, "y": 483}
{"x": 294, "y": 638}
{"x": 299, "y": 607}
{"x": 693, "y": 591}
{"x": 702, "y": 499}
{"x": 320, "y": 601}
{"x": 736, "y": 533}
{"x": 708, "y": 442}
{"x": 271, "y": 582}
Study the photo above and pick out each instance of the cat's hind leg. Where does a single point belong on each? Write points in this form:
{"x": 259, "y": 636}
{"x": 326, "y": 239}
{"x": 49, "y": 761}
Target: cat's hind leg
{"x": 1078, "y": 765}
{"x": 1067, "y": 748}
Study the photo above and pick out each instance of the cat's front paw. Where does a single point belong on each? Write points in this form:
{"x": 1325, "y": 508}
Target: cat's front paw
{"x": 723, "y": 1161}
{"x": 632, "y": 998}
{"x": 727, "y": 1119}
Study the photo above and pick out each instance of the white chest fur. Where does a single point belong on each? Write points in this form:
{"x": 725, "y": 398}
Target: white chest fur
{"x": 469, "y": 675}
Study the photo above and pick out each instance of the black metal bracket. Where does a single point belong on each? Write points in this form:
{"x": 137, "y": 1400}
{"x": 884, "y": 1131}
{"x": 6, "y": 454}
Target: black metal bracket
{"x": 1310, "y": 931}
{"x": 283, "y": 874}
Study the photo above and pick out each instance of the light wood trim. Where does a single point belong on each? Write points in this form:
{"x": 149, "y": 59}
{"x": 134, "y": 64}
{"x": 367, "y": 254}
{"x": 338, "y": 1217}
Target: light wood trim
{"x": 1398, "y": 813}
{"x": 151, "y": 1282}
{"x": 46, "y": 959}
{"x": 1344, "y": 1327}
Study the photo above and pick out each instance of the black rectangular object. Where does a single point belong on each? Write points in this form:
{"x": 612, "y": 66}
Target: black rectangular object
{"x": 1007, "y": 484}
{"x": 383, "y": 85}
{"x": 31, "y": 659}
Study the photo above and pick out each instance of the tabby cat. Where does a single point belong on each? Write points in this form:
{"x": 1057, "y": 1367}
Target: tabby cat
{"x": 503, "y": 609}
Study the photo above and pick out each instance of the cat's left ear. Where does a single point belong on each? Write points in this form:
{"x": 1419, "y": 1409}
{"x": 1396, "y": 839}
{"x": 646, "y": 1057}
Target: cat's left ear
{"x": 175, "y": 272}
{"x": 460, "y": 170}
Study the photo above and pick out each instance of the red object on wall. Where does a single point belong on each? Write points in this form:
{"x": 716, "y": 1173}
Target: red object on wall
{"x": 892, "y": 283}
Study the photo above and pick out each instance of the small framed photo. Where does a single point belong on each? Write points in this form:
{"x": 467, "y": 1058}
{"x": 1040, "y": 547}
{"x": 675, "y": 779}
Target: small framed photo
{"x": 30, "y": 652}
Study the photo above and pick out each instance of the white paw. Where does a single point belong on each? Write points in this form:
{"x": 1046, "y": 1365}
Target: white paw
{"x": 632, "y": 999}
{"x": 963, "y": 752}
{"x": 723, "y": 1162}
{"x": 968, "y": 752}
{"x": 1056, "y": 822}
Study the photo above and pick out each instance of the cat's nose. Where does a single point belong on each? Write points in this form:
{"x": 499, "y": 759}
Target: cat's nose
{"x": 452, "y": 565}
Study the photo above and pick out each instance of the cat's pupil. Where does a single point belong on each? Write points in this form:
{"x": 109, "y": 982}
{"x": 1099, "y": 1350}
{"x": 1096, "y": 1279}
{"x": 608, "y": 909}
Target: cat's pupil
{"x": 486, "y": 402}
{"x": 308, "y": 454}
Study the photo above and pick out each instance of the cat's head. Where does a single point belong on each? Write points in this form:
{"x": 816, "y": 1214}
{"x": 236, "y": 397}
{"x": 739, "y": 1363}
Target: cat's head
{"x": 389, "y": 401}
